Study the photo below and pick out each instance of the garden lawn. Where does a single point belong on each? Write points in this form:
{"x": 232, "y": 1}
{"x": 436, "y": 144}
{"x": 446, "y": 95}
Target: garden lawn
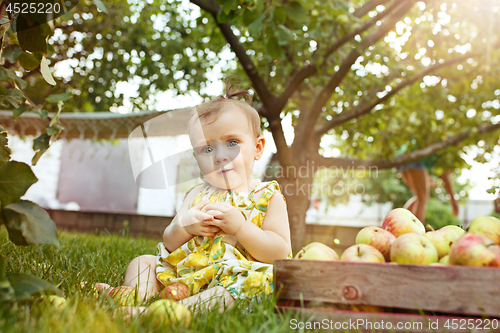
{"x": 87, "y": 258}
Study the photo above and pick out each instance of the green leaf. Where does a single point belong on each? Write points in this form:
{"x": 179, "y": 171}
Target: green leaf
{"x": 248, "y": 16}
{"x": 4, "y": 149}
{"x": 6, "y": 291}
{"x": 42, "y": 142}
{"x": 20, "y": 110}
{"x": 14, "y": 96}
{"x": 296, "y": 12}
{"x": 28, "y": 61}
{"x": 10, "y": 75}
{"x": 37, "y": 156}
{"x": 54, "y": 129}
{"x": 15, "y": 179}
{"x": 11, "y": 53}
{"x": 273, "y": 48}
{"x": 46, "y": 74}
{"x": 28, "y": 223}
{"x": 27, "y": 287}
{"x": 256, "y": 25}
{"x": 59, "y": 97}
{"x": 33, "y": 39}
{"x": 42, "y": 113}
{"x": 279, "y": 16}
{"x": 101, "y": 6}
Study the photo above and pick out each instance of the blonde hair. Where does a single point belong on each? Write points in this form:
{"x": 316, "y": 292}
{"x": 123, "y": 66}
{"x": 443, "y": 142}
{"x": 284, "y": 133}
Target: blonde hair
{"x": 221, "y": 104}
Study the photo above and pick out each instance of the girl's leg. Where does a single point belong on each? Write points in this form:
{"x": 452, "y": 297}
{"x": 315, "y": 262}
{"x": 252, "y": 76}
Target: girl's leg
{"x": 419, "y": 179}
{"x": 216, "y": 296}
{"x": 412, "y": 203}
{"x": 141, "y": 272}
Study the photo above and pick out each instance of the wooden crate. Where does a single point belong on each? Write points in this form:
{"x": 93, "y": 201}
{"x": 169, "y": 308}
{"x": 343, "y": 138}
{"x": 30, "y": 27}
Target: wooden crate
{"x": 406, "y": 293}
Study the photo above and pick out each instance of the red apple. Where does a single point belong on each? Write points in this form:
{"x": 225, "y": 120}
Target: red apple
{"x": 488, "y": 226}
{"x": 378, "y": 238}
{"x": 175, "y": 292}
{"x": 317, "y": 251}
{"x": 413, "y": 249}
{"x": 401, "y": 221}
{"x": 474, "y": 250}
{"x": 362, "y": 253}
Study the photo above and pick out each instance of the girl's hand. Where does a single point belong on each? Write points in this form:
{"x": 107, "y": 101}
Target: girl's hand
{"x": 226, "y": 217}
{"x": 193, "y": 221}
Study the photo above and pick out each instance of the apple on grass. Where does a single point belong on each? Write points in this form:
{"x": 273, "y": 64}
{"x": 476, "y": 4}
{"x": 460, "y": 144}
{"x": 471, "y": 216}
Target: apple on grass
{"x": 378, "y": 238}
{"x": 362, "y": 253}
{"x": 317, "y": 251}
{"x": 124, "y": 296}
{"x": 442, "y": 240}
{"x": 413, "y": 249}
{"x": 474, "y": 250}
{"x": 166, "y": 312}
{"x": 488, "y": 226}
{"x": 49, "y": 303}
{"x": 175, "y": 292}
{"x": 401, "y": 221}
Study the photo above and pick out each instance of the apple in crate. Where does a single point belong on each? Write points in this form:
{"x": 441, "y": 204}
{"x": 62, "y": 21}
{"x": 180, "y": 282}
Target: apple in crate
{"x": 488, "y": 226}
{"x": 445, "y": 260}
{"x": 378, "y": 238}
{"x": 413, "y": 249}
{"x": 175, "y": 292}
{"x": 474, "y": 250}
{"x": 401, "y": 221}
{"x": 317, "y": 251}
{"x": 362, "y": 253}
{"x": 459, "y": 231}
{"x": 442, "y": 240}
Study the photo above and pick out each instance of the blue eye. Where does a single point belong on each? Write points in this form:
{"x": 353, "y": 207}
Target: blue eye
{"x": 208, "y": 150}
{"x": 232, "y": 143}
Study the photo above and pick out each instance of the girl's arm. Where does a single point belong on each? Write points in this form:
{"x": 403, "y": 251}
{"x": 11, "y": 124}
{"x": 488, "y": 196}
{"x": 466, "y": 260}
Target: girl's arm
{"x": 272, "y": 241}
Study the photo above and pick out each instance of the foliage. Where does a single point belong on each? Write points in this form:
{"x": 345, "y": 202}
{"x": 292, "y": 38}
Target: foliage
{"x": 91, "y": 258}
{"x": 26, "y": 222}
{"x": 439, "y": 214}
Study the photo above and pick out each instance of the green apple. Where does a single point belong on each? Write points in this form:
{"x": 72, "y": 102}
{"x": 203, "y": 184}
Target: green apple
{"x": 459, "y": 231}
{"x": 413, "y": 248}
{"x": 125, "y": 296}
{"x": 445, "y": 260}
{"x": 49, "y": 303}
{"x": 166, "y": 312}
{"x": 488, "y": 226}
{"x": 401, "y": 221}
{"x": 378, "y": 238}
{"x": 442, "y": 240}
{"x": 362, "y": 253}
{"x": 475, "y": 250}
{"x": 317, "y": 251}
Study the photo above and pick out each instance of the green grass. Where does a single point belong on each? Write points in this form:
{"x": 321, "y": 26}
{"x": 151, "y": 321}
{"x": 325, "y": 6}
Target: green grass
{"x": 93, "y": 258}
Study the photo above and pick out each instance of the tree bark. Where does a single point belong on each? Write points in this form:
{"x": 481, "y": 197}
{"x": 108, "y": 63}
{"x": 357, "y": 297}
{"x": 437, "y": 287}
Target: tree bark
{"x": 297, "y": 196}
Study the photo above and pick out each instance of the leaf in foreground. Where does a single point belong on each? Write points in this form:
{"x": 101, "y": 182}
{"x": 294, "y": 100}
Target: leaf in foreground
{"x": 28, "y": 223}
{"x": 15, "y": 179}
{"x": 28, "y": 286}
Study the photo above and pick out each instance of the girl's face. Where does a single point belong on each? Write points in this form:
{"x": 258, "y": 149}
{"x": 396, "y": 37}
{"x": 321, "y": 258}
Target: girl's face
{"x": 226, "y": 150}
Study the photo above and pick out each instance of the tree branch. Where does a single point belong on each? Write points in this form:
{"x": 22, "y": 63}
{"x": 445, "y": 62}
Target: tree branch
{"x": 367, "y": 107}
{"x": 312, "y": 115}
{"x": 400, "y": 160}
{"x": 367, "y": 7}
{"x": 298, "y": 77}
{"x": 248, "y": 66}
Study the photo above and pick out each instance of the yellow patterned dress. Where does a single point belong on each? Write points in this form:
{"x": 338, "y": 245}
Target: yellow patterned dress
{"x": 204, "y": 262}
